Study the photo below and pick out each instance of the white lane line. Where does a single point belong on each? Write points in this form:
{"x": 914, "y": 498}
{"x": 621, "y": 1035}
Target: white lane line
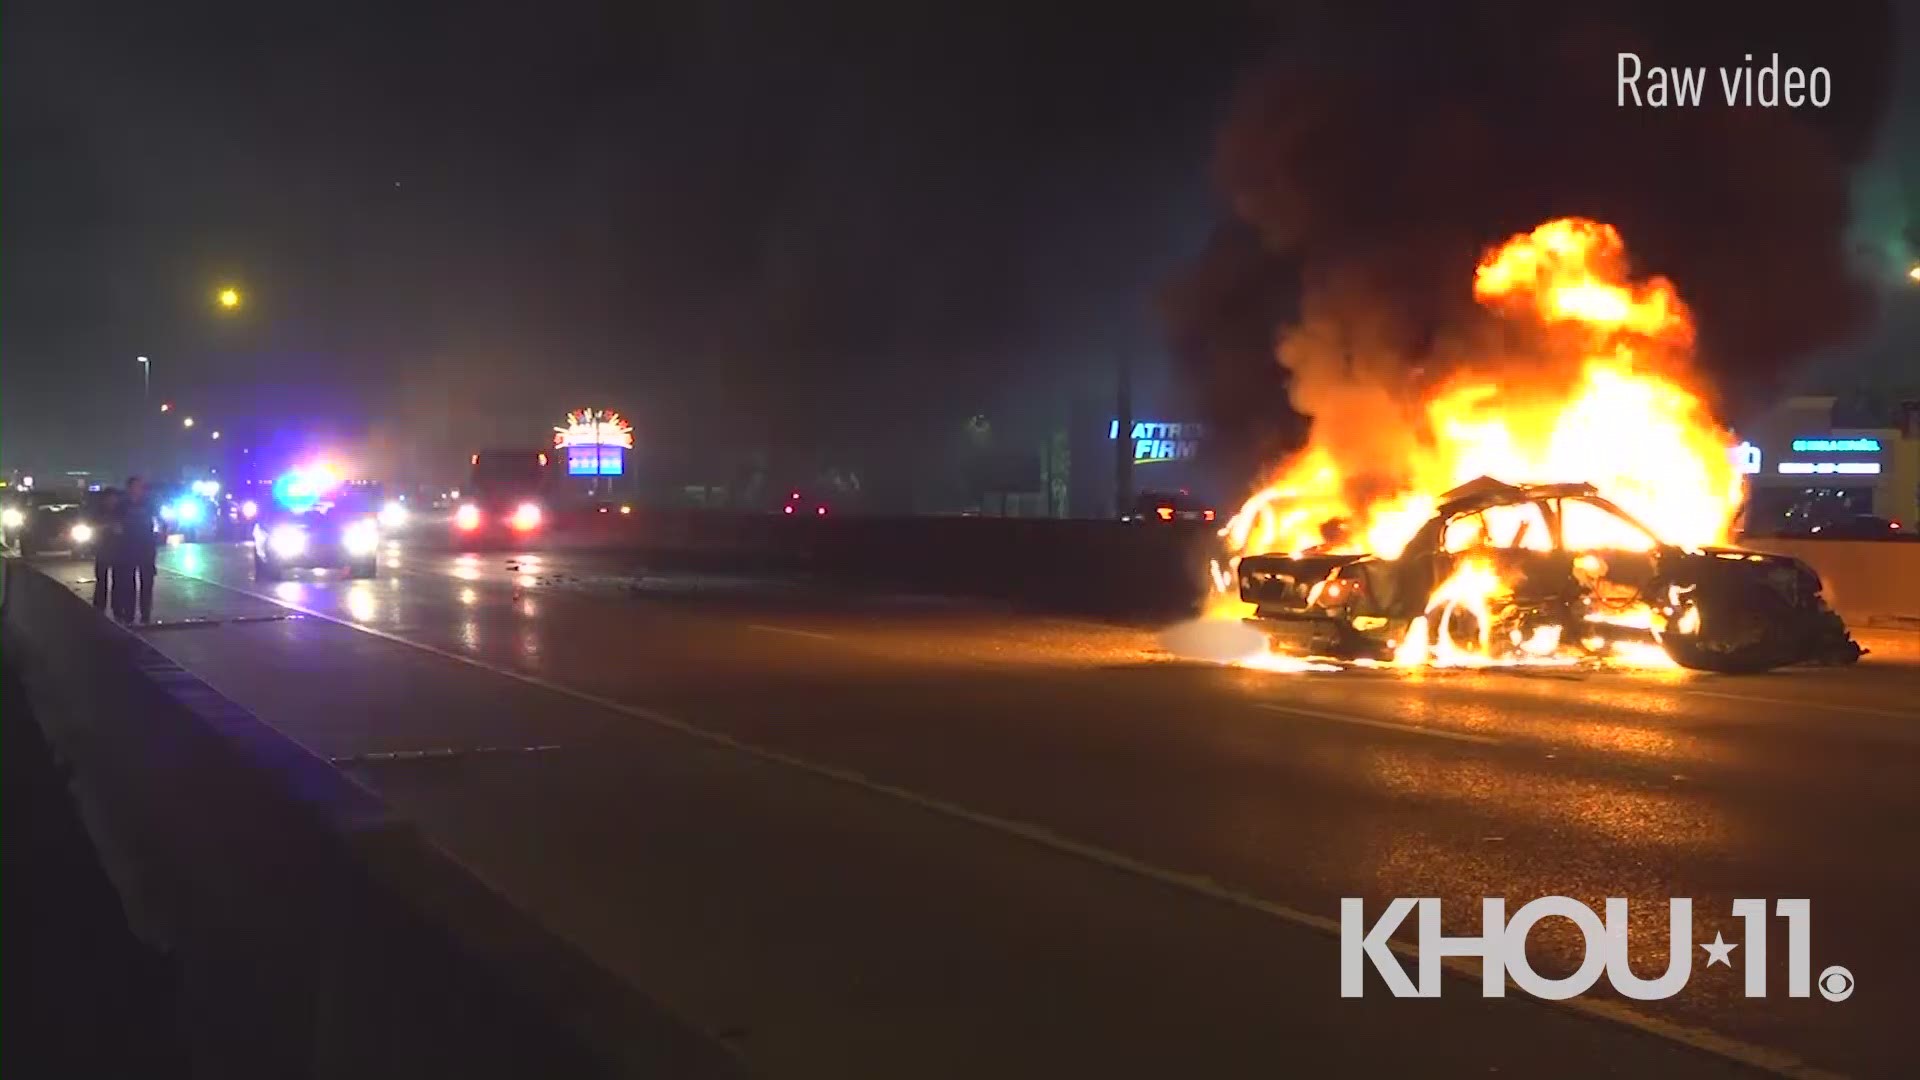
{"x": 1387, "y": 725}
{"x": 1765, "y": 1059}
{"x": 815, "y": 635}
{"x": 1825, "y": 706}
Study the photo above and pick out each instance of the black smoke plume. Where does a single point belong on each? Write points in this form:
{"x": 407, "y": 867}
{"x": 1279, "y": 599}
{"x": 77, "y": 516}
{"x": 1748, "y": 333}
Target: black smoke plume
{"x": 1382, "y": 148}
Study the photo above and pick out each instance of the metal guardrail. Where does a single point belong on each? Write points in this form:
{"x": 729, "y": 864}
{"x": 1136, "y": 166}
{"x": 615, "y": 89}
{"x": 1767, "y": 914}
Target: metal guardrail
{"x": 318, "y": 934}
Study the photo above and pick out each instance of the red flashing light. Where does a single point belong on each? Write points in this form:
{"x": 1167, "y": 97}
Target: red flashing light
{"x": 787, "y": 509}
{"x": 820, "y": 511}
{"x": 795, "y": 495}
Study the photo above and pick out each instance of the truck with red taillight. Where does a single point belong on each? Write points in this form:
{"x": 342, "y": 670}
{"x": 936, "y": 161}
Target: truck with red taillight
{"x": 507, "y": 497}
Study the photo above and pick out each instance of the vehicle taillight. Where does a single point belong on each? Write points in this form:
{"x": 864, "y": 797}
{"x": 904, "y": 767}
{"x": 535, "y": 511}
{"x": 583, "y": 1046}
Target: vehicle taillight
{"x": 1165, "y": 512}
{"x": 467, "y": 518}
{"x": 1334, "y": 591}
{"x": 526, "y": 516}
{"x": 820, "y": 511}
{"x": 1206, "y": 515}
{"x": 787, "y": 509}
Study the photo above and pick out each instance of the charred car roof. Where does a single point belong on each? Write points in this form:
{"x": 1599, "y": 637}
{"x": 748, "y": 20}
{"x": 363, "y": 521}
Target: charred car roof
{"x": 1484, "y": 492}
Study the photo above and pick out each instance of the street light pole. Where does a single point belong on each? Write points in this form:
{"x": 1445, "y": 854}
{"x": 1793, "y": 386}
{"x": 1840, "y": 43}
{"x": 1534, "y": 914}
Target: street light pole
{"x": 146, "y": 407}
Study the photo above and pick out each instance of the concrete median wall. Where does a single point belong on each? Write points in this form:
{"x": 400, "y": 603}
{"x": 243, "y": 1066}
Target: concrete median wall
{"x": 1110, "y": 566}
{"x": 317, "y": 934}
{"x": 1870, "y": 583}
{"x": 1091, "y": 566}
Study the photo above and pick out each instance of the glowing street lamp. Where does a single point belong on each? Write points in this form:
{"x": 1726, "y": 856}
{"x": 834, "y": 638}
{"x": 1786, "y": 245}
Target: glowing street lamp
{"x": 216, "y": 434}
{"x": 229, "y": 298}
{"x": 188, "y": 422}
{"x": 1913, "y": 273}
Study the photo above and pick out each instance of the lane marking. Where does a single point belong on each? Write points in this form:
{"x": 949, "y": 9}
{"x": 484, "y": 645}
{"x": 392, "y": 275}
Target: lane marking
{"x": 1829, "y": 706}
{"x": 1765, "y": 1059}
{"x": 1387, "y": 725}
{"x": 815, "y": 635}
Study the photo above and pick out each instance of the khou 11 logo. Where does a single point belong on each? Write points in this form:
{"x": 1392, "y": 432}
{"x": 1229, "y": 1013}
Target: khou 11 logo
{"x": 1502, "y": 949}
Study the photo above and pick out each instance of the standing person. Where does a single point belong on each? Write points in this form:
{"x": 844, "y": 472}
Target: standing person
{"x": 107, "y": 527}
{"x": 140, "y": 550}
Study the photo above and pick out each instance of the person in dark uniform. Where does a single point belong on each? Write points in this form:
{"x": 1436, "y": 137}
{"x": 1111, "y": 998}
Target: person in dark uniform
{"x": 139, "y": 552}
{"x": 107, "y": 527}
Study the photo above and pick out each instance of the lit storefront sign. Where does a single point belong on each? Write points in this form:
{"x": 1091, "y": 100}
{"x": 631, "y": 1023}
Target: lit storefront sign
{"x": 1829, "y": 468}
{"x": 1836, "y": 446}
{"x": 1154, "y": 441}
{"x": 1824, "y": 446}
{"x": 596, "y": 442}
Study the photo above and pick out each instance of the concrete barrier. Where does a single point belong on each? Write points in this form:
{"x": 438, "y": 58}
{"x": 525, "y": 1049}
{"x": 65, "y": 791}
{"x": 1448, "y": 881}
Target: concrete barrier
{"x": 317, "y": 934}
{"x": 1087, "y": 566}
{"x": 1870, "y": 583}
{"x": 1104, "y": 567}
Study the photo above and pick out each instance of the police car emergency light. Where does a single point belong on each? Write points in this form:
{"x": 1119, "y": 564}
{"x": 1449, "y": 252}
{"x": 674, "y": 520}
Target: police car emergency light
{"x": 299, "y": 489}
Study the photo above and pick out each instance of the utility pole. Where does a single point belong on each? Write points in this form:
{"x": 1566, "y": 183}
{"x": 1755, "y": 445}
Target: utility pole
{"x": 146, "y": 410}
{"x": 1123, "y": 433}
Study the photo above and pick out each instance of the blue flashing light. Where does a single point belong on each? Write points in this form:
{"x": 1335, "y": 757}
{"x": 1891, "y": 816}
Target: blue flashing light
{"x": 188, "y": 511}
{"x": 300, "y": 489}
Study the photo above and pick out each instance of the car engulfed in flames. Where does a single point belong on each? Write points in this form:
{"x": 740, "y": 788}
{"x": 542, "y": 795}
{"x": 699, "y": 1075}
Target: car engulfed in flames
{"x": 1507, "y": 573}
{"x": 1387, "y": 536}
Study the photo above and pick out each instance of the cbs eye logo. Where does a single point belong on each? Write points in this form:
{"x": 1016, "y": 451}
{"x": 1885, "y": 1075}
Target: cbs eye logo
{"x": 1836, "y": 984}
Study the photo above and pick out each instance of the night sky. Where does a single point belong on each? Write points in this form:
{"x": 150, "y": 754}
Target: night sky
{"x": 849, "y": 224}
{"x": 782, "y": 219}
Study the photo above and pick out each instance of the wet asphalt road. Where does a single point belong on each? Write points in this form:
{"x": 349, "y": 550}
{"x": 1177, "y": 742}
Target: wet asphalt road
{"x": 871, "y": 835}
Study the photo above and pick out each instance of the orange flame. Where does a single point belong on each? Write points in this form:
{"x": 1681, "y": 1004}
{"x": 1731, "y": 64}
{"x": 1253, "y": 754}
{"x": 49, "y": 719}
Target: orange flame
{"x": 1619, "y": 417}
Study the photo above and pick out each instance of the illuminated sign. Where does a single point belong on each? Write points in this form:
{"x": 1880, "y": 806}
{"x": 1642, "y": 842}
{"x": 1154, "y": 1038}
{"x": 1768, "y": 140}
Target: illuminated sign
{"x": 1829, "y": 468}
{"x": 596, "y": 460}
{"x": 1836, "y": 446}
{"x": 594, "y": 427}
{"x": 1154, "y": 441}
{"x": 596, "y": 442}
{"x": 1746, "y": 458}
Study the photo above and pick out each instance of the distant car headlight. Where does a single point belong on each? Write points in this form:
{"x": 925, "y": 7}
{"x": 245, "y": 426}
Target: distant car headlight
{"x": 393, "y": 515}
{"x": 526, "y": 516}
{"x": 249, "y": 509}
{"x": 361, "y": 538}
{"x": 12, "y": 517}
{"x": 287, "y": 541}
{"x": 467, "y": 517}
{"x": 82, "y": 533}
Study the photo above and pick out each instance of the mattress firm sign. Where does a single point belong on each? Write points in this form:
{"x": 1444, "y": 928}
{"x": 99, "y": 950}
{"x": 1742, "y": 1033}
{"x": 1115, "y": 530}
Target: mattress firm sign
{"x": 1155, "y": 441}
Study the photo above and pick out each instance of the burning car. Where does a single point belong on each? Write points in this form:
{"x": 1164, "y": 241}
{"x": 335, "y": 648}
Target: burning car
{"x": 1510, "y": 573}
